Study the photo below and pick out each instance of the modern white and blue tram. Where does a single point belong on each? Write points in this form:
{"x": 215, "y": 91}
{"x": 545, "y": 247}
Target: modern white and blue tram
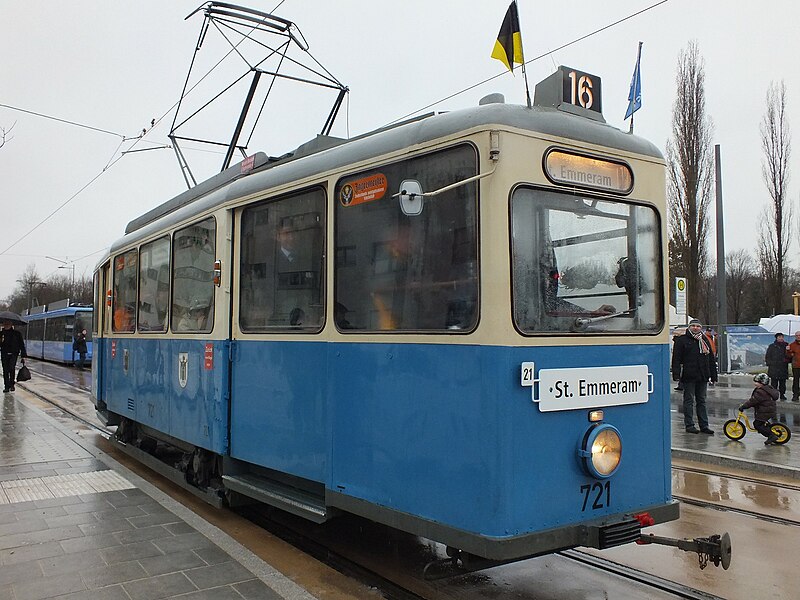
{"x": 453, "y": 326}
{"x": 51, "y": 331}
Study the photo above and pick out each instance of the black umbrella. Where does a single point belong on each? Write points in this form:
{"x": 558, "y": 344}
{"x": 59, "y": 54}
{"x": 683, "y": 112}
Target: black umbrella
{"x": 7, "y": 315}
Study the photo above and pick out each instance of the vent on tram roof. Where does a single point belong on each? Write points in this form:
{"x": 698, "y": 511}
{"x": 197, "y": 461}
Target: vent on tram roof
{"x": 492, "y": 99}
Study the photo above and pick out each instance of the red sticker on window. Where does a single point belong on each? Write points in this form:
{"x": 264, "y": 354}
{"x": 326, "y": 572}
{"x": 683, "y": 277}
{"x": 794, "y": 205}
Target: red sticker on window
{"x": 363, "y": 190}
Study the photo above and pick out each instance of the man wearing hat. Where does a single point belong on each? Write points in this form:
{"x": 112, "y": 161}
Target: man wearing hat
{"x": 778, "y": 364}
{"x": 694, "y": 364}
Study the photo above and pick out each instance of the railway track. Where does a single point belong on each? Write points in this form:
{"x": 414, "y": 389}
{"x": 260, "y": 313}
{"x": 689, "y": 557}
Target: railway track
{"x": 405, "y": 583}
{"x": 104, "y": 431}
{"x": 745, "y": 478}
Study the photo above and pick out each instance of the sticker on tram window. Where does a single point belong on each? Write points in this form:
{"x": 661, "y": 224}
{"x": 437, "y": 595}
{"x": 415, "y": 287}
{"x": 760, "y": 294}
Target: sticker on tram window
{"x": 366, "y": 189}
{"x": 596, "y": 495}
{"x": 577, "y": 170}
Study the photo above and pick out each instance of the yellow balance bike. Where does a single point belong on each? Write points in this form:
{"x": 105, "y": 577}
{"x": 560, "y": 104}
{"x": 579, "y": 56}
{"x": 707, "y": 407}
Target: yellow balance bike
{"x": 736, "y": 428}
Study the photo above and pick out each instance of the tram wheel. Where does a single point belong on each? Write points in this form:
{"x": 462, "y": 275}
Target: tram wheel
{"x": 734, "y": 429}
{"x": 783, "y": 433}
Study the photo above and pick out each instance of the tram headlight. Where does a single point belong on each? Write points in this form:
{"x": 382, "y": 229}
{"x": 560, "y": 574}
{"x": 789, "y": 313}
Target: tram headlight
{"x": 601, "y": 450}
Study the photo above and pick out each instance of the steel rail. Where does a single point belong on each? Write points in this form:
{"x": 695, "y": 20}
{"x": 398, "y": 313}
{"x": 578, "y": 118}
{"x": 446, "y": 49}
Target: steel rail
{"x": 665, "y": 585}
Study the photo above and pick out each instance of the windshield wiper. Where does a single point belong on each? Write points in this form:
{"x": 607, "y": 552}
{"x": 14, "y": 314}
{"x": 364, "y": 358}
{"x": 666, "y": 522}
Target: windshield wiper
{"x": 581, "y": 323}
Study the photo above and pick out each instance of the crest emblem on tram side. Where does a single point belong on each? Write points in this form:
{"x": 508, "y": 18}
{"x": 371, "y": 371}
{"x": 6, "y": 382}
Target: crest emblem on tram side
{"x": 346, "y": 194}
{"x": 183, "y": 368}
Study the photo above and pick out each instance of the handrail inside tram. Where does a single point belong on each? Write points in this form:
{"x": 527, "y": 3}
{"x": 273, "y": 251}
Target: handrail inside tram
{"x": 582, "y": 322}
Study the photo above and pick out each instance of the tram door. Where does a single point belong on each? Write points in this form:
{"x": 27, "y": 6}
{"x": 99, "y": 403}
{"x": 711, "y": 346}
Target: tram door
{"x": 279, "y": 361}
{"x": 101, "y": 326}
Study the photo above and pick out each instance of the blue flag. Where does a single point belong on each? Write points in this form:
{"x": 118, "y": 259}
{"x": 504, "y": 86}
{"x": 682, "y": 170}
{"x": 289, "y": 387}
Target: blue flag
{"x": 635, "y": 95}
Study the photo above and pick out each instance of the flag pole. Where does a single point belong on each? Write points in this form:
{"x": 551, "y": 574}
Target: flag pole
{"x": 524, "y": 72}
{"x": 528, "y": 91}
{"x": 636, "y": 76}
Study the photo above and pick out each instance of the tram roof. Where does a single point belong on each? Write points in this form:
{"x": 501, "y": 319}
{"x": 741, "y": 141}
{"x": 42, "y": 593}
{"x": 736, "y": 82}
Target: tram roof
{"x": 325, "y": 154}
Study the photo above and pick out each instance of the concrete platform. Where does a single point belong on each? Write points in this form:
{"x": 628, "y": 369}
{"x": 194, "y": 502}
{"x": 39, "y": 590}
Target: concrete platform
{"x": 76, "y": 524}
{"x": 748, "y": 453}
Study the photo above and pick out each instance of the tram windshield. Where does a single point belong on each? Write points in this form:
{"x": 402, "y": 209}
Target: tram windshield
{"x": 584, "y": 265}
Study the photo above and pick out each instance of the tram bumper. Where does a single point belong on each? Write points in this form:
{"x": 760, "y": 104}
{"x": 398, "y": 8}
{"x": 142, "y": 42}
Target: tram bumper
{"x": 609, "y": 535}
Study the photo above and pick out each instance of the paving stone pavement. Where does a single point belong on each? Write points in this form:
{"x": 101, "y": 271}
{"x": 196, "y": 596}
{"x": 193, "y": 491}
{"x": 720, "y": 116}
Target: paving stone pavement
{"x": 71, "y": 527}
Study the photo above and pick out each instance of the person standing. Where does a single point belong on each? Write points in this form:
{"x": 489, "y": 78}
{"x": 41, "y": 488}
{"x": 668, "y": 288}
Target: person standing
{"x": 694, "y": 365}
{"x": 80, "y": 347}
{"x": 793, "y": 354}
{"x": 711, "y": 338}
{"x": 778, "y": 365}
{"x": 11, "y": 346}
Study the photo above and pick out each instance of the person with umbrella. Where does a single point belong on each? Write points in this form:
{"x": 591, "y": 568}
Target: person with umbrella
{"x": 11, "y": 346}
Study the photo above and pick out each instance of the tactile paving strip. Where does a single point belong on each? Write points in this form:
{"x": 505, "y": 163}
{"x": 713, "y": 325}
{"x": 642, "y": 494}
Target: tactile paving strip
{"x": 60, "y": 486}
{"x": 39, "y": 449}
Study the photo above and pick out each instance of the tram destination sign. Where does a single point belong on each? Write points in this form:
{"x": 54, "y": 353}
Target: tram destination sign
{"x": 592, "y": 387}
{"x": 568, "y": 168}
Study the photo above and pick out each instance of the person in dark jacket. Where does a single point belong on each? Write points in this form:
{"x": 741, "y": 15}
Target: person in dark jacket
{"x": 778, "y": 364}
{"x": 694, "y": 365}
{"x": 80, "y": 347}
{"x": 763, "y": 400}
{"x": 11, "y": 346}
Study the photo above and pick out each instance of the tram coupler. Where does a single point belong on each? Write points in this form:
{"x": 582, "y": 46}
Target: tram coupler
{"x": 715, "y": 549}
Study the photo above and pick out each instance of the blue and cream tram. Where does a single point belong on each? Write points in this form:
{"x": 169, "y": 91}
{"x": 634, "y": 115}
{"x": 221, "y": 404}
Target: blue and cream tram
{"x": 454, "y": 326}
{"x": 52, "y": 328}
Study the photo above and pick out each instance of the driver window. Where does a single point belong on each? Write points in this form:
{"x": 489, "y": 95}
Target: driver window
{"x": 583, "y": 264}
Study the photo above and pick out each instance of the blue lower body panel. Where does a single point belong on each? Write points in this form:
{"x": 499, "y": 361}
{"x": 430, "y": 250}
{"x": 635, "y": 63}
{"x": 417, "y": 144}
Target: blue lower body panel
{"x": 178, "y": 387}
{"x": 446, "y": 433}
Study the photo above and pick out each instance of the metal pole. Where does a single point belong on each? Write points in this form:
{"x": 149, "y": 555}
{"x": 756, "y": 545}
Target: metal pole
{"x": 722, "y": 295}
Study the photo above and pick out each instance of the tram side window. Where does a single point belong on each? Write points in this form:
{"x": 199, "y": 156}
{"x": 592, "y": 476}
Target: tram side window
{"x": 124, "y": 299}
{"x": 403, "y": 272}
{"x": 36, "y": 330}
{"x": 154, "y": 285}
{"x": 193, "y": 255}
{"x": 584, "y": 265}
{"x": 58, "y": 329}
{"x": 83, "y": 320}
{"x": 282, "y": 264}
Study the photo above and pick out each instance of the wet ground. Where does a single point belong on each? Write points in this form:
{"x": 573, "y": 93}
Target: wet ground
{"x": 743, "y": 483}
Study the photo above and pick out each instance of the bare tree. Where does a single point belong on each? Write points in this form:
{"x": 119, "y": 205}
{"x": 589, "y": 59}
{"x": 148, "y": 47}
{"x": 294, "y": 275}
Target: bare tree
{"x": 776, "y": 222}
{"x": 738, "y": 279}
{"x": 690, "y": 175}
{"x": 5, "y": 134}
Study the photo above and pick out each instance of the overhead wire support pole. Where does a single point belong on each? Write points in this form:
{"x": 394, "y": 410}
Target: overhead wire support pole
{"x": 722, "y": 290}
{"x": 326, "y": 129}
{"x": 183, "y": 165}
{"x": 240, "y": 124}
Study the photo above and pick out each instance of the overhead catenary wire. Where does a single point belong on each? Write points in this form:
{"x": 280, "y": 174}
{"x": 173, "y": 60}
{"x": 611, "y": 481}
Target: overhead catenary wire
{"x": 527, "y": 62}
{"x": 138, "y": 139}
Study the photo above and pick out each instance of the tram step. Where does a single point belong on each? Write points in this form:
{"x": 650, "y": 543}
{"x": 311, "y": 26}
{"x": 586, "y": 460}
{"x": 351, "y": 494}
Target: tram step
{"x": 280, "y": 496}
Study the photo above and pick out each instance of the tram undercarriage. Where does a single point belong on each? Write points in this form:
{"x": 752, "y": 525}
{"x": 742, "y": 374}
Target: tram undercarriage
{"x": 222, "y": 481}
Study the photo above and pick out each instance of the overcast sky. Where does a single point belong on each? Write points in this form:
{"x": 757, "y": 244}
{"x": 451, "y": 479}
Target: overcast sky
{"x": 115, "y": 66}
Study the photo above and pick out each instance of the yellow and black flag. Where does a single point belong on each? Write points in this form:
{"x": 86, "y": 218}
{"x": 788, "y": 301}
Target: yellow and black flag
{"x": 508, "y": 47}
